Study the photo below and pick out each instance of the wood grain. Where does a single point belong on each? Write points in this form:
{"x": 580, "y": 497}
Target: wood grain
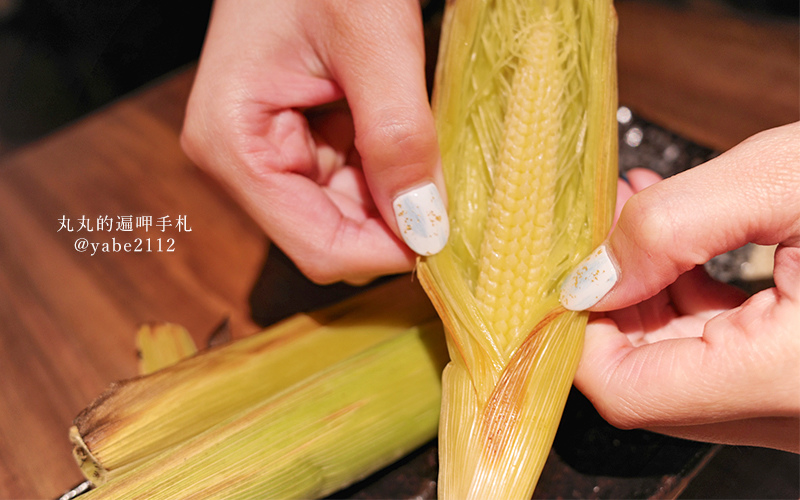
{"x": 67, "y": 318}
{"x": 710, "y": 73}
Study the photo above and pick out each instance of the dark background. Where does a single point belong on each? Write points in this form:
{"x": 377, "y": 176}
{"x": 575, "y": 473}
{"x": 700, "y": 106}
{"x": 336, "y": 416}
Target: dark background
{"x": 62, "y": 59}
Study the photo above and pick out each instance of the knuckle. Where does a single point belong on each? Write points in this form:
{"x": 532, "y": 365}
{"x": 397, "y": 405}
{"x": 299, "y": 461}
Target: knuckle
{"x": 396, "y": 134}
{"x": 198, "y": 149}
{"x": 620, "y": 401}
{"x": 646, "y": 223}
{"x": 189, "y": 139}
{"x": 623, "y": 418}
{"x": 319, "y": 274}
{"x": 619, "y": 413}
{"x": 613, "y": 410}
{"x": 195, "y": 141}
{"x": 318, "y": 263}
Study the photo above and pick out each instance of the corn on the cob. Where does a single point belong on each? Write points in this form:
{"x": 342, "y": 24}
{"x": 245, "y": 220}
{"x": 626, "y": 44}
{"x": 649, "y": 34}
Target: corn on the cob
{"x": 524, "y": 99}
{"x": 311, "y": 439}
{"x": 139, "y": 418}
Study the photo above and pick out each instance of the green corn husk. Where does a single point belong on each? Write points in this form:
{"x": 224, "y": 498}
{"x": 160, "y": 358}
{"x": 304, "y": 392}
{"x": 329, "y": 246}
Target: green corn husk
{"x": 314, "y": 438}
{"x": 137, "y": 419}
{"x": 525, "y": 101}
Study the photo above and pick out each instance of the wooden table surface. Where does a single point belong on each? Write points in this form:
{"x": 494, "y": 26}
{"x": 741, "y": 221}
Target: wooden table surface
{"x": 67, "y": 317}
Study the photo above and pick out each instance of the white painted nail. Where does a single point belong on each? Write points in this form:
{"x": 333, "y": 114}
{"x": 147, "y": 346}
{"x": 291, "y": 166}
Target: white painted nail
{"x": 422, "y": 219}
{"x": 590, "y": 281}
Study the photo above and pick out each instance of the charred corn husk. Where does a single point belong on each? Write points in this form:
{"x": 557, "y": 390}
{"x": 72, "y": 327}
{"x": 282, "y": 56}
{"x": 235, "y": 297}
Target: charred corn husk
{"x": 525, "y": 97}
{"x": 137, "y": 419}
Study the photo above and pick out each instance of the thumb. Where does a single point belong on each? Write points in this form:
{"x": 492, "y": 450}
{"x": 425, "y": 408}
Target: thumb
{"x": 380, "y": 65}
{"x": 749, "y": 194}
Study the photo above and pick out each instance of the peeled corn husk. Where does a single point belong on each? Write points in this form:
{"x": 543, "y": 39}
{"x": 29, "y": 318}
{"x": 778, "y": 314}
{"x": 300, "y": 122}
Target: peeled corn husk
{"x": 160, "y": 345}
{"x": 525, "y": 101}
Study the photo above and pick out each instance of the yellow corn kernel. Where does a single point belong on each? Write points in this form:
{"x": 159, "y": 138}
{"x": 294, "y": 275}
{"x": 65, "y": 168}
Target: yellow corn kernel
{"x": 519, "y": 230}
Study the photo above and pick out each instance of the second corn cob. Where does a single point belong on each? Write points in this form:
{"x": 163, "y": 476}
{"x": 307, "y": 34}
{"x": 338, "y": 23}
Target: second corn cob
{"x": 311, "y": 439}
{"x": 144, "y": 417}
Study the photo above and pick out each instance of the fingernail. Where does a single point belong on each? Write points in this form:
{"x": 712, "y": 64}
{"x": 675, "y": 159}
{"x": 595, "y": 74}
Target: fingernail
{"x": 590, "y": 281}
{"x": 422, "y": 219}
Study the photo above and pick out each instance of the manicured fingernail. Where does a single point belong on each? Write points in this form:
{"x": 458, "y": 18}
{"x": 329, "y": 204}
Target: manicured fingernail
{"x": 590, "y": 281}
{"x": 422, "y": 219}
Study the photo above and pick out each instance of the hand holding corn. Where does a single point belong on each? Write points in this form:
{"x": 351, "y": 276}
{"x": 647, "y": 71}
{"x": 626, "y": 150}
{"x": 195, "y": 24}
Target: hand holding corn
{"x": 677, "y": 352}
{"x": 346, "y": 193}
{"x": 316, "y": 115}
